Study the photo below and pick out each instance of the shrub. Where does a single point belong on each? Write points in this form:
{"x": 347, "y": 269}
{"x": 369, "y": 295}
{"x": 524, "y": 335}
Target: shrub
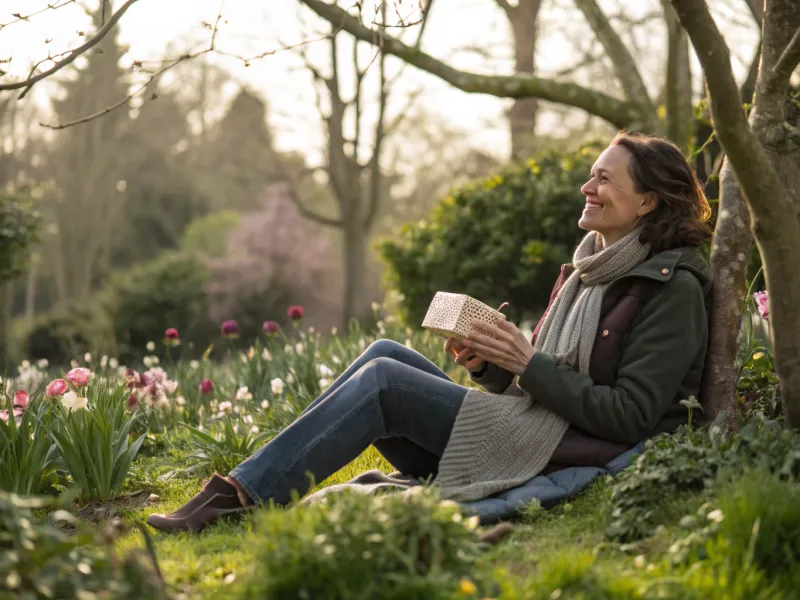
{"x": 64, "y": 333}
{"x": 358, "y": 547}
{"x": 19, "y": 224}
{"x": 208, "y": 235}
{"x": 144, "y": 301}
{"x": 275, "y": 258}
{"x": 501, "y": 239}
{"x": 40, "y": 561}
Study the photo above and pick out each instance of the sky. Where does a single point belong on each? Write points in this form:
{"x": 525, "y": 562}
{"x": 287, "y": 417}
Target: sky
{"x": 152, "y": 27}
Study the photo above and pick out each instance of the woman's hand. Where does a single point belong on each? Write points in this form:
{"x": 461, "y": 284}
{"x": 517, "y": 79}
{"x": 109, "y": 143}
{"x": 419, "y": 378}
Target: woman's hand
{"x": 464, "y": 357}
{"x": 511, "y": 350}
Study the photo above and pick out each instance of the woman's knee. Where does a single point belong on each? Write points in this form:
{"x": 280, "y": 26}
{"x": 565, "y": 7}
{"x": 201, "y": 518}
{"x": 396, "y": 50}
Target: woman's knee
{"x": 383, "y": 348}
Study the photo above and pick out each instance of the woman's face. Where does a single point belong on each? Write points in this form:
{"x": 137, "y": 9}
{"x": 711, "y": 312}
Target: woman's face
{"x": 613, "y": 206}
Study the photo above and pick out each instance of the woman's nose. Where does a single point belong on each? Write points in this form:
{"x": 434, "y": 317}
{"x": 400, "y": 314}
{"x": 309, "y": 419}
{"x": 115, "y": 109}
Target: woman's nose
{"x": 589, "y": 188}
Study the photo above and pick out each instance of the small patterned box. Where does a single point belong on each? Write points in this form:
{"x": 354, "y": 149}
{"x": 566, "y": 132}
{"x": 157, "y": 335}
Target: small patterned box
{"x": 450, "y": 314}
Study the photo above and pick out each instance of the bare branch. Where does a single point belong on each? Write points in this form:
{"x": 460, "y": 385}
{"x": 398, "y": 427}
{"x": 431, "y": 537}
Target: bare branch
{"x": 788, "y": 60}
{"x": 124, "y": 101}
{"x": 625, "y": 66}
{"x": 380, "y": 135}
{"x": 311, "y": 215}
{"x": 20, "y": 17}
{"x": 93, "y": 41}
{"x": 617, "y": 112}
{"x": 756, "y": 9}
{"x": 507, "y": 8}
{"x": 754, "y": 170}
{"x": 748, "y": 87}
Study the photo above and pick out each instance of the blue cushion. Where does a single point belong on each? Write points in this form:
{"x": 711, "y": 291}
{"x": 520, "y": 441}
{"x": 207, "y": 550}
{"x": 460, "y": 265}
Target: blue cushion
{"x": 548, "y": 490}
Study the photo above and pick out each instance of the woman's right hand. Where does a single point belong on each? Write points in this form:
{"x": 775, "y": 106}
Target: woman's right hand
{"x": 464, "y": 356}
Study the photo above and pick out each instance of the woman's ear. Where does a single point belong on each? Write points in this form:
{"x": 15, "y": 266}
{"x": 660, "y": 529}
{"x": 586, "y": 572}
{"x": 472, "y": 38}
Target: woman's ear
{"x": 648, "y": 204}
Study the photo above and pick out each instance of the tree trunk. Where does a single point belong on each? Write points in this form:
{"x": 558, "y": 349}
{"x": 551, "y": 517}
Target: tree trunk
{"x": 522, "y": 116}
{"x": 354, "y": 244}
{"x": 678, "y": 81}
{"x": 729, "y": 250}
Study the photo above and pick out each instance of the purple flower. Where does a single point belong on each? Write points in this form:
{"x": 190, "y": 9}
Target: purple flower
{"x": 230, "y": 329}
{"x": 295, "y": 313}
{"x": 270, "y": 327}
{"x": 206, "y": 387}
{"x": 762, "y": 304}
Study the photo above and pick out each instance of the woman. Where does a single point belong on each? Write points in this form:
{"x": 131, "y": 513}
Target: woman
{"x": 622, "y": 342}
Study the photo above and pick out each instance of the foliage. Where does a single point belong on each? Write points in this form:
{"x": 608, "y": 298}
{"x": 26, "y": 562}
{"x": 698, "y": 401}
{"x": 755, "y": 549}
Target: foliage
{"x": 274, "y": 258}
{"x": 208, "y": 235}
{"x": 147, "y": 299}
{"x": 64, "y": 332}
{"x": 224, "y": 447}
{"x": 689, "y": 461}
{"x": 40, "y": 561}
{"x": 501, "y": 239}
{"x": 27, "y": 454}
{"x": 94, "y": 442}
{"x": 358, "y": 547}
{"x": 19, "y": 225}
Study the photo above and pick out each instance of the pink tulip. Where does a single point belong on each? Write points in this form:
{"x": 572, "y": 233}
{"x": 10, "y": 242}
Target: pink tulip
{"x": 295, "y": 313}
{"x": 270, "y": 327}
{"x": 79, "y": 377}
{"x": 56, "y": 388}
{"x": 171, "y": 337}
{"x": 206, "y": 386}
{"x": 762, "y": 304}
{"x": 133, "y": 400}
{"x": 21, "y": 398}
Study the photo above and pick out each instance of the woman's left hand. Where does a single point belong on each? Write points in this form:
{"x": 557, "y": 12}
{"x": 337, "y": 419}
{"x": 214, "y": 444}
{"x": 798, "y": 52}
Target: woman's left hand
{"x": 511, "y": 350}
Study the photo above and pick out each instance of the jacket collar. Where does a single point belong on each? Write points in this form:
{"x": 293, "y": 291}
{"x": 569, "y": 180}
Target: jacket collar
{"x": 658, "y": 267}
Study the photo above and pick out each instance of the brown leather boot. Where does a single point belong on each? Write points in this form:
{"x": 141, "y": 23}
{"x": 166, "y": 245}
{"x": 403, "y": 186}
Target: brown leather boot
{"x": 218, "y": 499}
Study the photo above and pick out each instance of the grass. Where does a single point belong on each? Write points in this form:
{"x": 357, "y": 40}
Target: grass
{"x": 199, "y": 565}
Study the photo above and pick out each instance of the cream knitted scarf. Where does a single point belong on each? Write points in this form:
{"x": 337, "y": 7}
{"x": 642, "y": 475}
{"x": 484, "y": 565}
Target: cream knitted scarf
{"x": 499, "y": 443}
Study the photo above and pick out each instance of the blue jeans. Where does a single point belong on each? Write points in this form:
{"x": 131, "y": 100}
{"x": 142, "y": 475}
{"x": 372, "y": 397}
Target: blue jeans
{"x": 391, "y": 397}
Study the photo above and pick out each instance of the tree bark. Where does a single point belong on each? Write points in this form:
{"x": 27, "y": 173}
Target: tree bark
{"x": 620, "y": 113}
{"x": 523, "y": 20}
{"x": 355, "y": 264}
{"x": 767, "y": 165}
{"x": 728, "y": 262}
{"x": 679, "y": 102}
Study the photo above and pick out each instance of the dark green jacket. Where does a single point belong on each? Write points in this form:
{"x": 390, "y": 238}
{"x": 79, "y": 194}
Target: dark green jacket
{"x": 649, "y": 354}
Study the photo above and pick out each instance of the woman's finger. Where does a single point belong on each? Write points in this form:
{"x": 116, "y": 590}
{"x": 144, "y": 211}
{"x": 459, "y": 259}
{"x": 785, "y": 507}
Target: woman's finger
{"x": 475, "y": 340}
{"x": 463, "y": 356}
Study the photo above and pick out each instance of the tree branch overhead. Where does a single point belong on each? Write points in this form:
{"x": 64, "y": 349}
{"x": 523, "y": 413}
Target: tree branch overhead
{"x": 619, "y": 113}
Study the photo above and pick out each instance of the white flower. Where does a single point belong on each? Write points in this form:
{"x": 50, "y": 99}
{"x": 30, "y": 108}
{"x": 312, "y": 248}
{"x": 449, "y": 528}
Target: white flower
{"x": 243, "y": 393}
{"x": 254, "y": 429}
{"x": 324, "y": 383}
{"x": 265, "y": 404}
{"x": 248, "y": 419}
{"x": 336, "y": 360}
{"x": 375, "y": 307}
{"x": 277, "y": 386}
{"x": 716, "y": 516}
{"x": 225, "y": 407}
{"x": 87, "y": 358}
{"x": 267, "y": 354}
{"x": 408, "y": 344}
{"x": 325, "y": 371}
{"x": 287, "y": 349}
{"x": 151, "y": 346}
{"x": 103, "y": 361}
{"x": 639, "y": 561}
{"x": 71, "y": 401}
{"x": 299, "y": 348}
{"x": 113, "y": 363}
{"x": 180, "y": 400}
{"x": 334, "y": 331}
{"x": 25, "y": 365}
{"x": 170, "y": 385}
{"x": 42, "y": 364}
{"x": 320, "y": 539}
{"x": 288, "y": 408}
{"x": 194, "y": 364}
{"x": 362, "y": 344}
{"x": 290, "y": 379}
{"x": 74, "y": 364}
{"x": 375, "y": 538}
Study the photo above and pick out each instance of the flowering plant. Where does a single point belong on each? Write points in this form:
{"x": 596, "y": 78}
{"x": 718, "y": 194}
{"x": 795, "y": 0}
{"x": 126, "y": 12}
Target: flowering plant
{"x": 95, "y": 441}
{"x": 27, "y": 454}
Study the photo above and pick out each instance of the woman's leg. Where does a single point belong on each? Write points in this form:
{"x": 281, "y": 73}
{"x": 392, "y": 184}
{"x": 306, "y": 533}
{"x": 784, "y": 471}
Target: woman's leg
{"x": 403, "y": 454}
{"x": 384, "y": 398}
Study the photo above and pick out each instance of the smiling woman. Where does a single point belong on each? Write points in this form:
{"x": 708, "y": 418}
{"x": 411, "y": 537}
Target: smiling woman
{"x": 622, "y": 342}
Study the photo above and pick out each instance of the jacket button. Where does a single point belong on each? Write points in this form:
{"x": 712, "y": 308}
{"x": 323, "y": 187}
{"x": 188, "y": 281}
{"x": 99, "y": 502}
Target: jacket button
{"x": 605, "y": 332}
{"x": 665, "y": 271}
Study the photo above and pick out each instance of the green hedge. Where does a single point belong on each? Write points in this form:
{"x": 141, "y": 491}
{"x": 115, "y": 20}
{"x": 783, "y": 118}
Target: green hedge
{"x": 499, "y": 240}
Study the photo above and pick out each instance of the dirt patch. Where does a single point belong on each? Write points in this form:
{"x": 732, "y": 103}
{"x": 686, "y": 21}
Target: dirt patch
{"x": 98, "y": 512}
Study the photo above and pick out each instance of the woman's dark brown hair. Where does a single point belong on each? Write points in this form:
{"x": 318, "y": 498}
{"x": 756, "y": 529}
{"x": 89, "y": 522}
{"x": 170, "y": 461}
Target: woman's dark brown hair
{"x": 682, "y": 211}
